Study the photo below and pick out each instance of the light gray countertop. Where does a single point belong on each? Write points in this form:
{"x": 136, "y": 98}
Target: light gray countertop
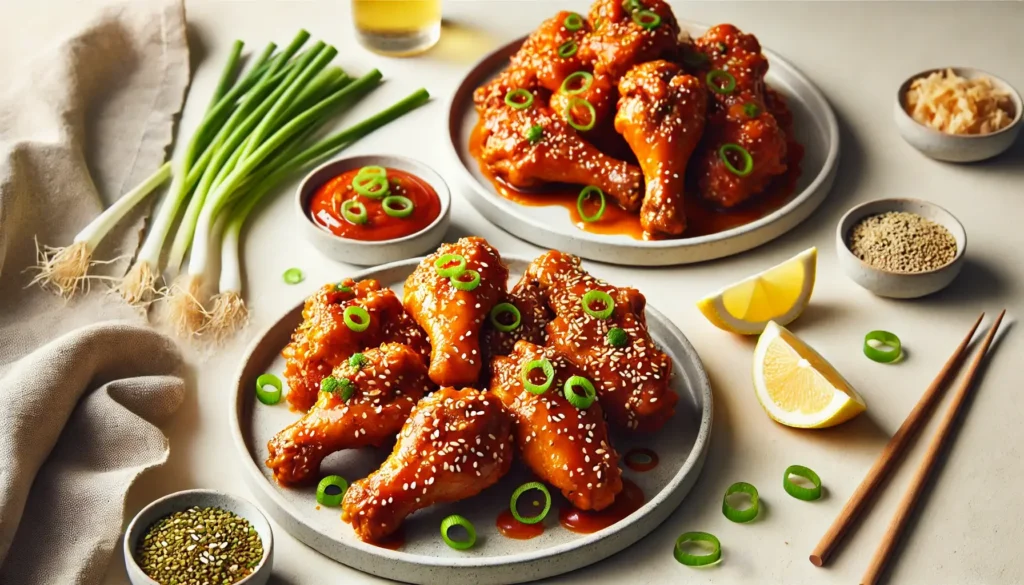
{"x": 970, "y": 524}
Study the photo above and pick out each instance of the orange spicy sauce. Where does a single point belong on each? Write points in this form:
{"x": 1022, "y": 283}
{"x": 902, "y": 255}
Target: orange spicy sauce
{"x": 629, "y": 500}
{"x": 325, "y": 208}
{"x": 702, "y": 218}
{"x": 509, "y": 527}
{"x": 640, "y": 459}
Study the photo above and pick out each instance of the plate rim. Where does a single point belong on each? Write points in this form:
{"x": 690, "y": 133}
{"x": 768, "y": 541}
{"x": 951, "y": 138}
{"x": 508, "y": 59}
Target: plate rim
{"x": 809, "y": 196}
{"x": 683, "y": 480}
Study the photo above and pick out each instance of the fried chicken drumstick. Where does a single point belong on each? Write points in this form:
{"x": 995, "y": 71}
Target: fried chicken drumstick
{"x": 632, "y": 381}
{"x": 455, "y": 444}
{"x": 382, "y": 386}
{"x": 565, "y": 446}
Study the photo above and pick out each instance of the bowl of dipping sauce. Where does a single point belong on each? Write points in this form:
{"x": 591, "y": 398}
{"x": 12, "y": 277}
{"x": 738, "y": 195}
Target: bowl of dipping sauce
{"x": 205, "y": 536}
{"x": 374, "y": 209}
{"x": 958, "y": 114}
{"x": 901, "y": 248}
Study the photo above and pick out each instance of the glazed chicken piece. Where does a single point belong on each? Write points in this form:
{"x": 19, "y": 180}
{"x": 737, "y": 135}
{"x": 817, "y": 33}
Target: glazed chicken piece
{"x": 661, "y": 116}
{"x": 739, "y": 117}
{"x": 534, "y": 317}
{"x": 596, "y": 90}
{"x": 565, "y": 446}
{"x": 323, "y": 340}
{"x": 455, "y": 444}
{"x": 385, "y": 383}
{"x": 453, "y": 318}
{"x": 626, "y": 33}
{"x": 557, "y": 155}
{"x": 632, "y": 381}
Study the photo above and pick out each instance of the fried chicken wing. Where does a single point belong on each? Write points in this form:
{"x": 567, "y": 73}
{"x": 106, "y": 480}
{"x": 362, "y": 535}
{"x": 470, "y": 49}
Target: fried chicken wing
{"x": 534, "y": 317}
{"x": 624, "y": 34}
{"x": 565, "y": 446}
{"x": 451, "y": 317}
{"x": 385, "y": 384}
{"x": 632, "y": 381}
{"x": 740, "y": 117}
{"x": 661, "y": 116}
{"x": 323, "y": 340}
{"x": 557, "y": 155}
{"x": 596, "y": 90}
{"x": 455, "y": 444}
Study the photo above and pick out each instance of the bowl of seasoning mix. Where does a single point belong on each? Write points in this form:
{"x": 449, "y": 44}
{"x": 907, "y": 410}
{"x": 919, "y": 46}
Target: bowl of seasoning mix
{"x": 901, "y": 248}
{"x": 199, "y": 536}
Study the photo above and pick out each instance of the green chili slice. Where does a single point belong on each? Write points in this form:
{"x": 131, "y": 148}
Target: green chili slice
{"x": 751, "y": 110}
{"x": 584, "y": 195}
{"x": 888, "y": 350}
{"x": 325, "y": 495}
{"x": 519, "y": 99}
{"x": 692, "y": 560}
{"x": 505, "y": 309}
{"x": 293, "y": 276}
{"x": 356, "y": 318}
{"x": 354, "y": 212}
{"x": 570, "y": 117}
{"x": 598, "y": 296}
{"x": 272, "y": 396}
{"x": 453, "y": 521}
{"x": 647, "y": 19}
{"x": 533, "y": 485}
{"x": 573, "y": 22}
{"x": 745, "y": 157}
{"x": 549, "y": 375}
{"x": 585, "y": 78}
{"x": 460, "y": 282}
{"x": 713, "y": 77}
{"x": 398, "y": 206}
{"x": 735, "y": 514}
{"x": 617, "y": 337}
{"x": 580, "y": 401}
{"x": 445, "y": 267}
{"x": 371, "y": 186}
{"x": 798, "y": 491}
{"x": 567, "y": 49}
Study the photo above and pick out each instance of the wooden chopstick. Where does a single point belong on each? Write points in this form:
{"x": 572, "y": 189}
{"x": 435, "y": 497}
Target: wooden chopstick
{"x": 924, "y": 470}
{"x": 890, "y": 455}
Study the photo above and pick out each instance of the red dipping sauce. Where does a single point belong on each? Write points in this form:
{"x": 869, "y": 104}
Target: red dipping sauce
{"x": 325, "y": 208}
{"x": 509, "y": 527}
{"x": 629, "y": 500}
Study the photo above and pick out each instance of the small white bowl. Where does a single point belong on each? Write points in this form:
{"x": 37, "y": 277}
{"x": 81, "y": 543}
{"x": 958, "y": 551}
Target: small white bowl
{"x": 957, "y": 147}
{"x": 900, "y": 285}
{"x": 371, "y": 253}
{"x": 184, "y": 500}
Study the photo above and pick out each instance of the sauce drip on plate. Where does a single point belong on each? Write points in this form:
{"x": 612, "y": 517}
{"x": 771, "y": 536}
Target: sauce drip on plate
{"x": 509, "y": 527}
{"x": 629, "y": 500}
{"x": 641, "y": 459}
{"x": 325, "y": 207}
{"x": 394, "y": 541}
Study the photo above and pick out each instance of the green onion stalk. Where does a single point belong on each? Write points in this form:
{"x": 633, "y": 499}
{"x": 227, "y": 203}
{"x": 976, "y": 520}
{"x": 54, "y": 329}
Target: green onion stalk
{"x": 229, "y": 313}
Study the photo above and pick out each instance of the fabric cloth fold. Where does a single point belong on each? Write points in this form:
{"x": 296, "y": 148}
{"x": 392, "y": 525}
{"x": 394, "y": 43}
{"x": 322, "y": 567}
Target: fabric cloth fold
{"x": 83, "y": 382}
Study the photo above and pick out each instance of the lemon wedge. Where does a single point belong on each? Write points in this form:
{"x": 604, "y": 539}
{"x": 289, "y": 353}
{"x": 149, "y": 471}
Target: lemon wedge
{"x": 797, "y": 387}
{"x": 778, "y": 294}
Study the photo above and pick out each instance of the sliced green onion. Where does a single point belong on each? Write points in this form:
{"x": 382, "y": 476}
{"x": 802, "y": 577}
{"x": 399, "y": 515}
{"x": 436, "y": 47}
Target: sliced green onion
{"x": 737, "y": 515}
{"x": 632, "y": 5}
{"x": 356, "y": 318}
{"x": 597, "y": 24}
{"x": 748, "y": 161}
{"x": 586, "y": 106}
{"x": 580, "y": 401}
{"x": 584, "y": 195}
{"x": 712, "y": 79}
{"x": 398, "y": 206}
{"x": 441, "y": 265}
{"x": 691, "y": 560}
{"x": 617, "y": 337}
{"x": 330, "y": 499}
{"x": 533, "y": 485}
{"x": 798, "y": 491}
{"x": 371, "y": 186}
{"x": 751, "y": 110}
{"x": 889, "y": 349}
{"x": 549, "y": 375}
{"x": 268, "y": 396}
{"x": 647, "y": 19}
{"x": 459, "y": 282}
{"x": 573, "y": 22}
{"x": 342, "y": 288}
{"x": 453, "y": 521}
{"x": 567, "y": 83}
{"x": 345, "y": 389}
{"x": 354, "y": 212}
{"x": 329, "y": 384}
{"x": 293, "y": 276}
{"x": 357, "y": 360}
{"x": 519, "y": 99}
{"x": 534, "y": 134}
{"x": 602, "y": 297}
{"x": 502, "y": 309}
{"x": 372, "y": 170}
{"x": 567, "y": 49}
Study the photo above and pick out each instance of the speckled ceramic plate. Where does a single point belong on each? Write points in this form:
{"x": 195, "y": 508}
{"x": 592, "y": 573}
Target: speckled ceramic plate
{"x": 551, "y": 227}
{"x": 424, "y": 558}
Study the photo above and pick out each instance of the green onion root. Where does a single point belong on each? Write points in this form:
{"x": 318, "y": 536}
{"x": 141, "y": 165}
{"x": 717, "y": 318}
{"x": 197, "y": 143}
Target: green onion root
{"x": 185, "y": 313}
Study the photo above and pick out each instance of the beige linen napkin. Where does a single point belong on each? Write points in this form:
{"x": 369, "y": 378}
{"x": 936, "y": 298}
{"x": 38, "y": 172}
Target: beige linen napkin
{"x": 80, "y": 125}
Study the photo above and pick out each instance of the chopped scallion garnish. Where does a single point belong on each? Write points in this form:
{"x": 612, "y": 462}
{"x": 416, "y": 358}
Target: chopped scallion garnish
{"x": 745, "y": 157}
{"x": 570, "y": 114}
{"x": 798, "y": 491}
{"x": 356, "y": 318}
{"x": 526, "y": 487}
{"x": 746, "y": 514}
{"x": 580, "y": 401}
{"x": 451, "y": 522}
{"x": 714, "y": 84}
{"x": 600, "y": 297}
{"x": 505, "y": 309}
{"x": 545, "y": 366}
{"x": 272, "y": 396}
{"x": 466, "y": 281}
{"x": 519, "y": 99}
{"x": 331, "y": 491}
{"x": 398, "y": 206}
{"x": 585, "y": 194}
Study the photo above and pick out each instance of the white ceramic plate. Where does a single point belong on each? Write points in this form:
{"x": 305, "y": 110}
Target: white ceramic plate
{"x": 424, "y": 558}
{"x": 551, "y": 227}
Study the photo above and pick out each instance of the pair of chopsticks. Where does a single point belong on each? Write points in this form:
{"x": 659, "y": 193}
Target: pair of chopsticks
{"x": 894, "y": 450}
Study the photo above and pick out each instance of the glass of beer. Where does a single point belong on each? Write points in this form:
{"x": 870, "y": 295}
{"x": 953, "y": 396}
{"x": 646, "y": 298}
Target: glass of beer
{"x": 397, "y": 28}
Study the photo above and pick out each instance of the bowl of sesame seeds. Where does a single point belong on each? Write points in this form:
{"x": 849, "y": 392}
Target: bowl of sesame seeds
{"x": 901, "y": 248}
{"x": 194, "y": 537}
